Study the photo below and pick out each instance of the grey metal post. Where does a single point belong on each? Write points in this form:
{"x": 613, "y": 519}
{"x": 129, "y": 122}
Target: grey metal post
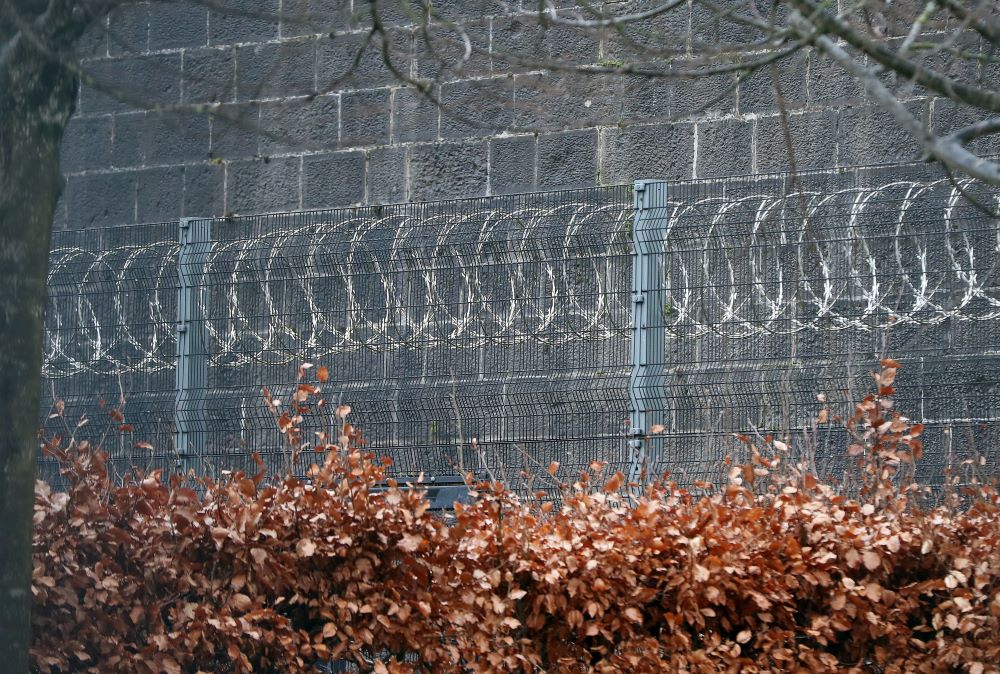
{"x": 645, "y": 388}
{"x": 192, "y": 343}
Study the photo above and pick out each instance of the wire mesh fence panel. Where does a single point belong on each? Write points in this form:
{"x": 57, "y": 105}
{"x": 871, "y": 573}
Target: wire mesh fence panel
{"x": 495, "y": 335}
{"x": 780, "y": 289}
{"x": 484, "y": 334}
{"x": 110, "y": 337}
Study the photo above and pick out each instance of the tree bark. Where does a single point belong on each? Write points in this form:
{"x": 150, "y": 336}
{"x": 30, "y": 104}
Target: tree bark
{"x": 37, "y": 97}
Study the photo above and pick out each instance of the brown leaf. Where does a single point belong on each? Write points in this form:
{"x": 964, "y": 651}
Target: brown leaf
{"x": 241, "y": 602}
{"x": 410, "y": 542}
{"x": 615, "y": 483}
{"x": 874, "y": 592}
{"x": 872, "y": 560}
{"x": 305, "y": 548}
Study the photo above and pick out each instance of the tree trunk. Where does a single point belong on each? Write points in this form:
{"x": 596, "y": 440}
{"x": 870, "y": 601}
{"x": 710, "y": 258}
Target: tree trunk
{"x": 37, "y": 96}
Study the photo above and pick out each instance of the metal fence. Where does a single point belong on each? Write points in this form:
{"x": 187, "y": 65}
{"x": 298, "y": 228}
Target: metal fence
{"x": 499, "y": 334}
{"x": 483, "y": 334}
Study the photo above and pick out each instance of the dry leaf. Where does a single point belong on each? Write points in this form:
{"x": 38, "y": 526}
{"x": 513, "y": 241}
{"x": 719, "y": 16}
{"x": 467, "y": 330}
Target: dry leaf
{"x": 633, "y": 614}
{"x": 305, "y": 548}
{"x": 410, "y": 542}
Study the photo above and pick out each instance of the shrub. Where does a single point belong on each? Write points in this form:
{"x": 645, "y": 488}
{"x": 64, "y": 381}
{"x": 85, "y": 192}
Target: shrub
{"x": 773, "y": 571}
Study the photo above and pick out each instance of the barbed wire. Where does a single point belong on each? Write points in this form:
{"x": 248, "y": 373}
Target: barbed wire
{"x": 829, "y": 261}
{"x": 762, "y": 262}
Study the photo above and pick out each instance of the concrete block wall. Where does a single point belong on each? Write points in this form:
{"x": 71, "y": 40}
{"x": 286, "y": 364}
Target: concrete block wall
{"x": 338, "y": 133}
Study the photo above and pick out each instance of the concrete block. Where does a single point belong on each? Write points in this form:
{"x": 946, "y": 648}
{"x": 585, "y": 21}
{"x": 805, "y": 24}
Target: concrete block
{"x": 870, "y": 136}
{"x": 558, "y": 101}
{"x": 175, "y": 25}
{"x": 239, "y": 21}
{"x": 949, "y": 116}
{"x": 758, "y": 93}
{"x": 517, "y": 42}
{"x": 521, "y": 41}
{"x": 447, "y": 170}
{"x": 100, "y": 199}
{"x": 650, "y": 99}
{"x": 567, "y": 160}
{"x": 175, "y": 138}
{"x": 662, "y": 36}
{"x": 347, "y": 62}
{"x": 314, "y": 17}
{"x": 204, "y": 190}
{"x": 512, "y": 164}
{"x": 276, "y": 69}
{"x": 298, "y": 125}
{"x": 414, "y": 116}
{"x": 571, "y": 45}
{"x": 128, "y": 29}
{"x": 645, "y": 99}
{"x": 477, "y": 107}
{"x": 830, "y": 85}
{"x": 813, "y": 136}
{"x": 386, "y": 180}
{"x": 364, "y": 117}
{"x": 160, "y": 75}
{"x": 209, "y": 75}
{"x": 391, "y": 13}
{"x": 235, "y": 131}
{"x": 711, "y": 30}
{"x": 662, "y": 151}
{"x": 159, "y": 194}
{"x": 440, "y": 53}
{"x": 459, "y": 10}
{"x": 336, "y": 179}
{"x": 263, "y": 186}
{"x": 94, "y": 41}
{"x": 724, "y": 148}
{"x": 86, "y": 144}
{"x": 690, "y": 97}
{"x": 128, "y": 146}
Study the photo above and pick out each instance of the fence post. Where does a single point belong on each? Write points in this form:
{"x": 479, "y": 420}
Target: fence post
{"x": 192, "y": 345}
{"x": 645, "y": 390}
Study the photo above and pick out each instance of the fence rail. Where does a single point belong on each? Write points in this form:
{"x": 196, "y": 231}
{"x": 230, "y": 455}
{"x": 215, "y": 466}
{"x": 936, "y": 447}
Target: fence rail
{"x": 501, "y": 333}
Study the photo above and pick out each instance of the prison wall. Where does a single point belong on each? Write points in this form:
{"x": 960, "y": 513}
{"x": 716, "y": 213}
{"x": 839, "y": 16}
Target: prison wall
{"x": 302, "y": 125}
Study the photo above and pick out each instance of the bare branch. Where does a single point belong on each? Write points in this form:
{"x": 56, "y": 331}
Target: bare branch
{"x": 948, "y": 151}
{"x": 827, "y": 24}
{"x": 988, "y": 29}
{"x": 917, "y": 27}
{"x": 614, "y": 21}
{"x": 968, "y": 133}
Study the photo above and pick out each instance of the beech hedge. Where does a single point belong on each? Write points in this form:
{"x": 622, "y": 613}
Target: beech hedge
{"x": 771, "y": 571}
